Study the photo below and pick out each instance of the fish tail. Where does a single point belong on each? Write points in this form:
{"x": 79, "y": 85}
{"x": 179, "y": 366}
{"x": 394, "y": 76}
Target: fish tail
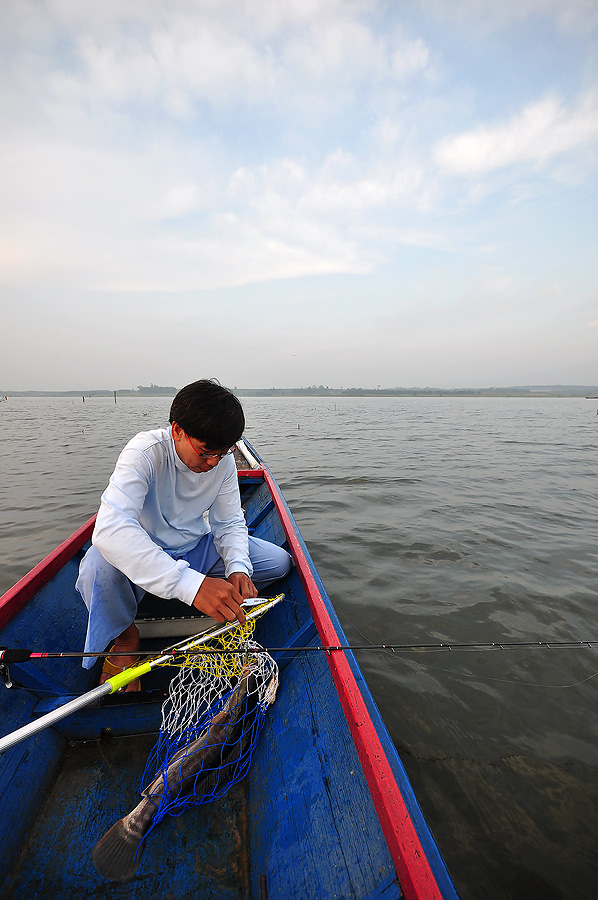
{"x": 117, "y": 854}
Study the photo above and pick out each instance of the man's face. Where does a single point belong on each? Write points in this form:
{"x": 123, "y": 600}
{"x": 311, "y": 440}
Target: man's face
{"x": 194, "y": 453}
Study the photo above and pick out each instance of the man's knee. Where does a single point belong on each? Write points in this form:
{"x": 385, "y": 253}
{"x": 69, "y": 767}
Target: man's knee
{"x": 99, "y": 579}
{"x": 93, "y": 568}
{"x": 283, "y": 561}
{"x": 269, "y": 561}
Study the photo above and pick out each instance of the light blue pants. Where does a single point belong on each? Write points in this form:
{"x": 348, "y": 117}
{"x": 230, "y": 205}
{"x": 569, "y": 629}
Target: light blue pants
{"x": 111, "y": 599}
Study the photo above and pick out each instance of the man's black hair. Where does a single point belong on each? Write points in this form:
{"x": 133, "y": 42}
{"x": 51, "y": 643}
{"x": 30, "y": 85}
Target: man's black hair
{"x": 210, "y": 413}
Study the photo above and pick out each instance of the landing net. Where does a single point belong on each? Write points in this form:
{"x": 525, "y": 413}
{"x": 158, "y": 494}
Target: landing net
{"x": 227, "y": 662}
{"x": 211, "y": 722}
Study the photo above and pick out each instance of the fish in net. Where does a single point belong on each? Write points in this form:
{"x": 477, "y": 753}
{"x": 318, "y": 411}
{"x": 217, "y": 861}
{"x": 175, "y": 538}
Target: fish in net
{"x": 211, "y": 721}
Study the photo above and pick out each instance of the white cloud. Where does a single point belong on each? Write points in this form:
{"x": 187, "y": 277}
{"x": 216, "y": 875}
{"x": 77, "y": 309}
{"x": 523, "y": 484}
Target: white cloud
{"x": 543, "y": 130}
{"x": 187, "y": 61}
{"x": 340, "y": 188}
{"x": 138, "y": 52}
{"x": 168, "y": 221}
{"x": 384, "y": 188}
{"x": 239, "y": 253}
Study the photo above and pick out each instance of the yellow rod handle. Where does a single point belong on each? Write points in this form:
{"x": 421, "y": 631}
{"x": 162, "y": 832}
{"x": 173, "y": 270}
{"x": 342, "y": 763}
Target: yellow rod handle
{"x": 123, "y": 678}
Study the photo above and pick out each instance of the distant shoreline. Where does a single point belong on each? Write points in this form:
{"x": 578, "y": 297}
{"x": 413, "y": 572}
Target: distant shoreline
{"x": 589, "y": 392}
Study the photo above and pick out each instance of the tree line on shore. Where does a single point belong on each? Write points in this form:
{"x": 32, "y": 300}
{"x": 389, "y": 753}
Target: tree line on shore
{"x": 154, "y": 390}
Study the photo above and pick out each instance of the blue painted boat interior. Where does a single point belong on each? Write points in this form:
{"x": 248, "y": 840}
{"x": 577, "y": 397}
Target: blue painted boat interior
{"x": 303, "y": 817}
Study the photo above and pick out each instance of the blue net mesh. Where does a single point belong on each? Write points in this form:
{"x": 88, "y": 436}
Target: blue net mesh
{"x": 210, "y": 728}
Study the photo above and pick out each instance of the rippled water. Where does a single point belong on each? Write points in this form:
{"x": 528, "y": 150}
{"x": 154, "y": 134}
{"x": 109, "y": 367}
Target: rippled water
{"x": 429, "y": 520}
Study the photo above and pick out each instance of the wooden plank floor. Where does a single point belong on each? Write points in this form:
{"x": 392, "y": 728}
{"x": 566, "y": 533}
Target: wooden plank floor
{"x": 201, "y": 853}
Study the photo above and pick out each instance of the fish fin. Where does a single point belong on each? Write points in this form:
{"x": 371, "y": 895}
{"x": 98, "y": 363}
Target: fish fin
{"x": 117, "y": 854}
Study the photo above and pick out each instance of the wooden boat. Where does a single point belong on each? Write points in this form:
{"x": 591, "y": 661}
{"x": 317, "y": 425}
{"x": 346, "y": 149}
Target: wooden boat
{"x": 327, "y": 810}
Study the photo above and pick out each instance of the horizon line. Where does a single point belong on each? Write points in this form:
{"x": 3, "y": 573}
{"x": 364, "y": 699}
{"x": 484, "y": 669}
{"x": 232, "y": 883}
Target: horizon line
{"x": 324, "y": 390}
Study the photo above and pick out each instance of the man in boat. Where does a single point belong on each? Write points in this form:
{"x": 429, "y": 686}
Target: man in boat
{"x": 151, "y": 533}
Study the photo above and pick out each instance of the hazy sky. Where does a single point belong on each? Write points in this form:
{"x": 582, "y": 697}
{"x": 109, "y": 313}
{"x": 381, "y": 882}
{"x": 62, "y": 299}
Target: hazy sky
{"x": 295, "y": 192}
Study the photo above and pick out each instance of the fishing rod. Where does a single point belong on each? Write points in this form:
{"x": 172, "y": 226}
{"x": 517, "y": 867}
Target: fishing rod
{"x": 116, "y": 682}
{"x": 19, "y": 655}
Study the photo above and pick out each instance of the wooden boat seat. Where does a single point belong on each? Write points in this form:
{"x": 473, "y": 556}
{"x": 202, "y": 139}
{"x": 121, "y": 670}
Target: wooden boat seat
{"x": 158, "y": 618}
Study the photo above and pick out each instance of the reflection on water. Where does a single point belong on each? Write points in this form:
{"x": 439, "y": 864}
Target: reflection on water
{"x": 430, "y": 520}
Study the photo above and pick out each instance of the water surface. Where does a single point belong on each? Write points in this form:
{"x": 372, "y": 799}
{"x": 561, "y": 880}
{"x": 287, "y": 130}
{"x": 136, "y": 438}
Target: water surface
{"x": 430, "y": 520}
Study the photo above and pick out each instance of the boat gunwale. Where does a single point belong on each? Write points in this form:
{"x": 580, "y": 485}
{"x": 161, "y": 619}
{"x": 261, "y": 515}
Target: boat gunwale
{"x": 416, "y": 876}
{"x": 18, "y": 596}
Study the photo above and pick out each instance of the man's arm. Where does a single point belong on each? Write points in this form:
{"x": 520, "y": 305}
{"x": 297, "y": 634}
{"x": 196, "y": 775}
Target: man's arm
{"x": 122, "y": 540}
{"x": 228, "y": 527}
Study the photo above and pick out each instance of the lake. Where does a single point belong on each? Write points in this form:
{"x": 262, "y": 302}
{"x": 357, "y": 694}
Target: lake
{"x": 430, "y": 520}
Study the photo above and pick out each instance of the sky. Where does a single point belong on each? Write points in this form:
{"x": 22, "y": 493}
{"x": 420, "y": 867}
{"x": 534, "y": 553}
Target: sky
{"x": 354, "y": 193}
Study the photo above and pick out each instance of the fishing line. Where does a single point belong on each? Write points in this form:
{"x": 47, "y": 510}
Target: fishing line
{"x": 513, "y": 645}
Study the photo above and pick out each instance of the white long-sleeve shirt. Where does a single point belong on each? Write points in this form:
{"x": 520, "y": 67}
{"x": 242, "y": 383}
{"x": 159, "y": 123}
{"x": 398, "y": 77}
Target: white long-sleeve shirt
{"x": 151, "y": 514}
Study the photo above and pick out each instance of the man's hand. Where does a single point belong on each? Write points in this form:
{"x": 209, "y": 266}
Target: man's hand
{"x": 243, "y": 584}
{"x": 220, "y": 599}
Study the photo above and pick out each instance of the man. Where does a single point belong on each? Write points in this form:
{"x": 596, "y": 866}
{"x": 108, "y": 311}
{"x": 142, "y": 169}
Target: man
{"x": 151, "y": 534}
